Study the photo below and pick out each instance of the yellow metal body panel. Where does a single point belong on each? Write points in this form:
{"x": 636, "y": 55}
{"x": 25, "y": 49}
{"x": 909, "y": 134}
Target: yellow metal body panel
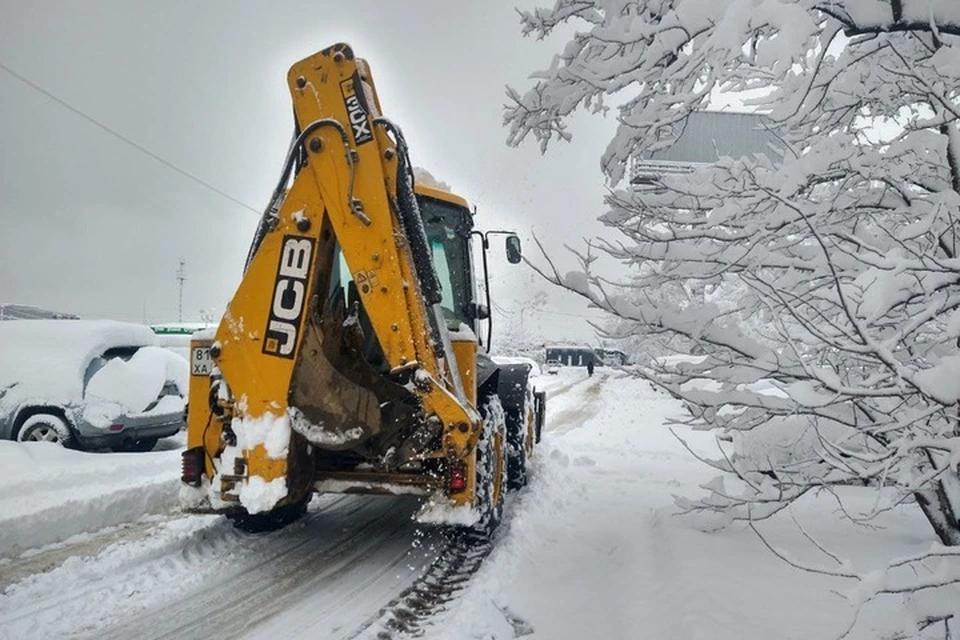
{"x": 466, "y": 352}
{"x": 376, "y": 253}
{"x": 440, "y": 194}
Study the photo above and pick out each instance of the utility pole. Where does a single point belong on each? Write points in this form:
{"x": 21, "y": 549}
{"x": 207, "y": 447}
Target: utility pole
{"x": 181, "y": 277}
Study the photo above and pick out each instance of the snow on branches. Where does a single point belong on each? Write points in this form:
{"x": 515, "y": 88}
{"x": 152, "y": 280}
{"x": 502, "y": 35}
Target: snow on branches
{"x": 824, "y": 277}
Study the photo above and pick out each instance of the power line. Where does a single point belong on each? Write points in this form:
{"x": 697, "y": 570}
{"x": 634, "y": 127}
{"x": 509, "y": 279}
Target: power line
{"x": 125, "y": 139}
{"x": 508, "y": 313}
{"x": 573, "y": 315}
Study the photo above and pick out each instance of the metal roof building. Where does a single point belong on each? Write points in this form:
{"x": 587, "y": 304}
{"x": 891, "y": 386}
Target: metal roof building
{"x": 707, "y": 136}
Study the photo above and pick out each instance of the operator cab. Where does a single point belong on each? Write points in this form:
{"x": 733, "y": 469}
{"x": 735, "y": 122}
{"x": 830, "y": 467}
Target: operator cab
{"x": 449, "y": 228}
{"x": 448, "y": 225}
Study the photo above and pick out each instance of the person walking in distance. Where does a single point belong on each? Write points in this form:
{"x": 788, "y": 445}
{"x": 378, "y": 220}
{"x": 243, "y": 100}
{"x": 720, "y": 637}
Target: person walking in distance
{"x": 589, "y": 367}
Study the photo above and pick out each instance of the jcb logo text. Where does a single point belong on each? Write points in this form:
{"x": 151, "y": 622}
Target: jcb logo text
{"x": 289, "y": 295}
{"x": 356, "y": 110}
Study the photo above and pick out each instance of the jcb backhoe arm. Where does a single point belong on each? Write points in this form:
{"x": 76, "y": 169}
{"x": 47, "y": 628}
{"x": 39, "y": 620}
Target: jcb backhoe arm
{"x": 335, "y": 339}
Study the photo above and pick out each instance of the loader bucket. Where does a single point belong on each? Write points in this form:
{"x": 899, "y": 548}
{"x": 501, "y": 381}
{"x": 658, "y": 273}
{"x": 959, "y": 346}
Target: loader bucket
{"x": 339, "y": 399}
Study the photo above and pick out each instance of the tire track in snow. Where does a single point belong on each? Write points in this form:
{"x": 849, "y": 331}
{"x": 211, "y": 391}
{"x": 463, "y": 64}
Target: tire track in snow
{"x": 462, "y": 555}
{"x": 248, "y": 593}
{"x": 47, "y": 559}
{"x": 573, "y": 417}
{"x": 408, "y": 613}
{"x": 88, "y": 594}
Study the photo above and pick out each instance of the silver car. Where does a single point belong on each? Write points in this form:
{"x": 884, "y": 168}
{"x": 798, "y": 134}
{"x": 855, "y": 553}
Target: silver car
{"x": 88, "y": 384}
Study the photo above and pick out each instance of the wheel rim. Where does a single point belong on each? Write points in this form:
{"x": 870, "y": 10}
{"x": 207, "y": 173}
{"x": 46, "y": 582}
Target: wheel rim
{"x": 42, "y": 433}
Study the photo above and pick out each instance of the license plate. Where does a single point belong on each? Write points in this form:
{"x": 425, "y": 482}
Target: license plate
{"x": 201, "y": 364}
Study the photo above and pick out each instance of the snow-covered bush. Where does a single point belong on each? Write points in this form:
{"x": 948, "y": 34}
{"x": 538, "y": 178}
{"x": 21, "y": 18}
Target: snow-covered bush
{"x": 843, "y": 253}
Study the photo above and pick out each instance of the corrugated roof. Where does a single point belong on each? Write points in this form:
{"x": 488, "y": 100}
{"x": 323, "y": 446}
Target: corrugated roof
{"x": 26, "y": 312}
{"x": 709, "y": 135}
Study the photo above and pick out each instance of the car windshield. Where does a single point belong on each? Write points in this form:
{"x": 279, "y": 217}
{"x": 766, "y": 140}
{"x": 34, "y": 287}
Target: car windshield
{"x": 124, "y": 353}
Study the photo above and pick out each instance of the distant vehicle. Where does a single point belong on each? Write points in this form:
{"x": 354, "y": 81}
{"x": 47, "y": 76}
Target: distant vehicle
{"x": 572, "y": 355}
{"x": 89, "y": 384}
{"x": 175, "y": 336}
{"x": 611, "y": 357}
{"x": 553, "y": 367}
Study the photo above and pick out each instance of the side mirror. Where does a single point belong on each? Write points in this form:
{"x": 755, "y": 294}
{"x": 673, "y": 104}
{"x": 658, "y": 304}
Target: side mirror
{"x": 479, "y": 311}
{"x": 513, "y": 249}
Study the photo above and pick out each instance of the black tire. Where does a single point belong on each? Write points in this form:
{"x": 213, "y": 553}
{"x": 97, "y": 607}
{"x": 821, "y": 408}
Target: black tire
{"x": 517, "y": 398}
{"x": 138, "y": 446}
{"x": 271, "y": 520}
{"x": 517, "y": 441}
{"x": 491, "y": 468}
{"x": 46, "y": 427}
{"x": 516, "y": 450}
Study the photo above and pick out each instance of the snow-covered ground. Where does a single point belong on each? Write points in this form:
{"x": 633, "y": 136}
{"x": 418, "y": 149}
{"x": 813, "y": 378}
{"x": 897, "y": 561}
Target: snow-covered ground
{"x": 92, "y": 545}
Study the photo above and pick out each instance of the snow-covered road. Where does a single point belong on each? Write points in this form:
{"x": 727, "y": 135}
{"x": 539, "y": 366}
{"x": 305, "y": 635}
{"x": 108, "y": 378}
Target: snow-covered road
{"x": 91, "y": 545}
{"x": 589, "y": 549}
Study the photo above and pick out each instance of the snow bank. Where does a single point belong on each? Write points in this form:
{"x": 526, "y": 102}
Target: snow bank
{"x": 593, "y": 546}
{"x": 48, "y": 493}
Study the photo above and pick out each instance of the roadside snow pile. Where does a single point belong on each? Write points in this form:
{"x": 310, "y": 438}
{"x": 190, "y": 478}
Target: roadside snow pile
{"x": 594, "y": 546}
{"x": 48, "y": 493}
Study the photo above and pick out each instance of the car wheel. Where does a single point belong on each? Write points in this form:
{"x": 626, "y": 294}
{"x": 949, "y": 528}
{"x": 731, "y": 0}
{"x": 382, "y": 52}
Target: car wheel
{"x": 46, "y": 427}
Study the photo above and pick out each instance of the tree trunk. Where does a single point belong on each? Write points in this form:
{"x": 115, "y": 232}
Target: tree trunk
{"x": 936, "y": 507}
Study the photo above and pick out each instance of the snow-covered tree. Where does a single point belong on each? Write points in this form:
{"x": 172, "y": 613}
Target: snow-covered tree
{"x": 830, "y": 310}
{"x": 517, "y": 327}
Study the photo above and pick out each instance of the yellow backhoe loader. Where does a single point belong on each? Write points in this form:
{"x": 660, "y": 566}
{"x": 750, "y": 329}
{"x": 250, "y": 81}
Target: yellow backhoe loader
{"x": 348, "y": 359}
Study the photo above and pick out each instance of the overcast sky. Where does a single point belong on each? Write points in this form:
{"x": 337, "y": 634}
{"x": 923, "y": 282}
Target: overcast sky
{"x": 95, "y": 227}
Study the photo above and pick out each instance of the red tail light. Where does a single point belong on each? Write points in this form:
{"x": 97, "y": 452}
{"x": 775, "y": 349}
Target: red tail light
{"x": 116, "y": 427}
{"x": 191, "y": 466}
{"x": 458, "y": 476}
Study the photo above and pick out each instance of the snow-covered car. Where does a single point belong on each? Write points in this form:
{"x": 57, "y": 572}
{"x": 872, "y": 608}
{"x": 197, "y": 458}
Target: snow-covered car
{"x": 553, "y": 367}
{"x": 89, "y": 384}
